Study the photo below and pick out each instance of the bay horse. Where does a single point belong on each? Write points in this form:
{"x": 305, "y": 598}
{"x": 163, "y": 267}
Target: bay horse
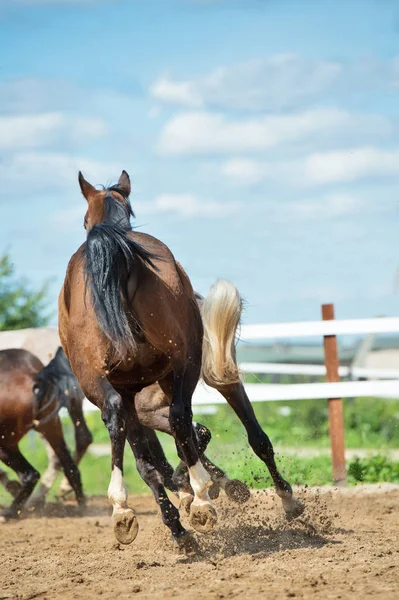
{"x": 128, "y": 319}
{"x": 30, "y": 398}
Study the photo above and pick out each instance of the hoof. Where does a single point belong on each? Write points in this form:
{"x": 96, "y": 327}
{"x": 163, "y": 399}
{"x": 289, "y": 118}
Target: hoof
{"x": 13, "y": 487}
{"x": 126, "y": 526}
{"x": 63, "y": 496}
{"x": 35, "y": 504}
{"x": 293, "y": 507}
{"x": 187, "y": 545}
{"x": 82, "y": 507}
{"x": 203, "y": 517}
{"x": 237, "y": 491}
{"x": 8, "y": 515}
{"x": 185, "y": 503}
{"x": 214, "y": 491}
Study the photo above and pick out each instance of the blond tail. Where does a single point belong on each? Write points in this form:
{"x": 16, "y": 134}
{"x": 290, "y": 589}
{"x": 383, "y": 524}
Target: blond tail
{"x": 221, "y": 313}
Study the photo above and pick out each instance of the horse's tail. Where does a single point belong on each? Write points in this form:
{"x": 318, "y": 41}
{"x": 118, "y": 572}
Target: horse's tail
{"x": 221, "y": 314}
{"x": 110, "y": 258}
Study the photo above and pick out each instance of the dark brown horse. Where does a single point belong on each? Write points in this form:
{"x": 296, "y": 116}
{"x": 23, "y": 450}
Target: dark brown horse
{"x": 128, "y": 319}
{"x": 30, "y": 398}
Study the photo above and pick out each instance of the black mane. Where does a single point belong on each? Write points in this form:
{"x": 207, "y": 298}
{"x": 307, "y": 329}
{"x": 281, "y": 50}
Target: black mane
{"x": 111, "y": 255}
{"x": 116, "y": 212}
{"x": 55, "y": 384}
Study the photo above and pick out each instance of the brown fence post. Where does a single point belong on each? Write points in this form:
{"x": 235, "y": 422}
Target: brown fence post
{"x": 335, "y": 409}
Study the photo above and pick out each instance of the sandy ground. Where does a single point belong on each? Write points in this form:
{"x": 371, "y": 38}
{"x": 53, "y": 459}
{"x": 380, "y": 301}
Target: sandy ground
{"x": 346, "y": 546}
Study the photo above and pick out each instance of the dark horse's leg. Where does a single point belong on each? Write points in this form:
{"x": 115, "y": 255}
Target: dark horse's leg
{"x": 28, "y": 476}
{"x": 83, "y": 437}
{"x": 161, "y": 463}
{"x": 11, "y": 485}
{"x": 53, "y": 434}
{"x": 136, "y": 436}
{"x": 179, "y": 387}
{"x": 115, "y": 418}
{"x": 235, "y": 490}
{"x": 153, "y": 411}
{"x": 237, "y": 398}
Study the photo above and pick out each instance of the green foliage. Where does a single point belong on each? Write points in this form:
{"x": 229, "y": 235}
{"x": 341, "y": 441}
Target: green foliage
{"x": 369, "y": 422}
{"x": 374, "y": 469}
{"x": 20, "y": 307}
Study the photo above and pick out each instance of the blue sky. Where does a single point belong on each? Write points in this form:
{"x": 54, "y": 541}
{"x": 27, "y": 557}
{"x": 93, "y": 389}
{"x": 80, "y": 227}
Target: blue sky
{"x": 261, "y": 137}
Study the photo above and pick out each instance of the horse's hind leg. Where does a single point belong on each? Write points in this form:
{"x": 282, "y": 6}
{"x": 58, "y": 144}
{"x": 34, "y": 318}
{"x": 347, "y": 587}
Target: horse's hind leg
{"x": 145, "y": 462}
{"x": 202, "y": 513}
{"x": 235, "y": 490}
{"x": 11, "y": 485}
{"x": 83, "y": 438}
{"x": 53, "y": 434}
{"x": 28, "y": 476}
{"x": 160, "y": 461}
{"x": 47, "y": 480}
{"x": 237, "y": 398}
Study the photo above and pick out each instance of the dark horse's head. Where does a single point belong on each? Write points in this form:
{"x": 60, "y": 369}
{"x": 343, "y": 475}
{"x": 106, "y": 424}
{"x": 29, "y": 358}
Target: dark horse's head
{"x": 54, "y": 387}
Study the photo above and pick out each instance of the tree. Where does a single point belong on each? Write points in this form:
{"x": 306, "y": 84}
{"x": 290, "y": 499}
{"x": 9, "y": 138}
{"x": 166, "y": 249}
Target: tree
{"x": 20, "y": 307}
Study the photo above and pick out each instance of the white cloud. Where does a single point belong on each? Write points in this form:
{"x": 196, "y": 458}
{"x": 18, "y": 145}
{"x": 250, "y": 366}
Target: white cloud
{"x": 35, "y": 173}
{"x": 186, "y": 206}
{"x": 245, "y": 171}
{"x": 43, "y": 130}
{"x": 276, "y": 82}
{"x": 317, "y": 169}
{"x": 330, "y": 206}
{"x": 194, "y": 132}
{"x": 182, "y": 93}
{"x": 350, "y": 165}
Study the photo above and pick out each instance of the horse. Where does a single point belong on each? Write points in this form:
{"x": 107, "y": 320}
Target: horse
{"x": 30, "y": 398}
{"x": 129, "y": 319}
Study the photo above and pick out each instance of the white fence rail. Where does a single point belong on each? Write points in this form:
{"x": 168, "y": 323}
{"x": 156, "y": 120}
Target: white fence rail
{"x": 319, "y": 328}
{"x": 383, "y": 383}
{"x": 317, "y": 370}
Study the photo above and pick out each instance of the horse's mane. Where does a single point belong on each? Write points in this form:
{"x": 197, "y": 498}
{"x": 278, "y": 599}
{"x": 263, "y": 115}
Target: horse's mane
{"x": 55, "y": 385}
{"x": 111, "y": 255}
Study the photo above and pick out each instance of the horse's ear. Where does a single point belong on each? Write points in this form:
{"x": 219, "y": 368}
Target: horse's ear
{"x": 124, "y": 183}
{"x": 88, "y": 190}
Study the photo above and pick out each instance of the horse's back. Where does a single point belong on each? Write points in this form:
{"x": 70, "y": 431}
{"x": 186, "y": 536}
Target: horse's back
{"x": 18, "y": 369}
{"x": 164, "y": 301}
{"x": 18, "y": 359}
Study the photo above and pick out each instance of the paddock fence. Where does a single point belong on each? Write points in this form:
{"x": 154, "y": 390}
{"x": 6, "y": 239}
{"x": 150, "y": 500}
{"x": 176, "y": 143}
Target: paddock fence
{"x": 365, "y": 382}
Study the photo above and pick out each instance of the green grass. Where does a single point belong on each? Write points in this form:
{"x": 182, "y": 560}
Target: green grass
{"x": 369, "y": 423}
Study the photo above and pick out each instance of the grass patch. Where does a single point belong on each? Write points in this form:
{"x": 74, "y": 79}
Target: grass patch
{"x": 369, "y": 423}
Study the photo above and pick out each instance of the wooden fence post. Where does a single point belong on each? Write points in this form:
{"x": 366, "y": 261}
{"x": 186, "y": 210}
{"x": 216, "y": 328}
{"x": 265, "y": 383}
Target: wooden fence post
{"x": 335, "y": 409}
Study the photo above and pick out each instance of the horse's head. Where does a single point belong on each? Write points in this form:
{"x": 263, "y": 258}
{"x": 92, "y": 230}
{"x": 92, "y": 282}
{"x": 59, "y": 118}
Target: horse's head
{"x": 108, "y": 205}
